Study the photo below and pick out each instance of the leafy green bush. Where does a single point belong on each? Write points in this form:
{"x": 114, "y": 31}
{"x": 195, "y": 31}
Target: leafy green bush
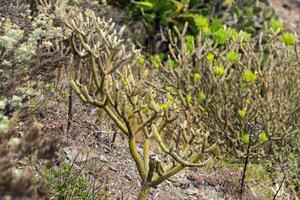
{"x": 157, "y": 16}
{"x": 244, "y": 85}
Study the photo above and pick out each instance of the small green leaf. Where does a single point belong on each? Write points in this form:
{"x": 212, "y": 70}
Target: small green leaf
{"x": 232, "y": 56}
{"x": 289, "y": 39}
{"x": 173, "y": 64}
{"x": 210, "y": 57}
{"x": 201, "y": 22}
{"x": 202, "y": 96}
{"x": 276, "y": 25}
{"x": 170, "y": 90}
{"x": 263, "y": 137}
{"x": 189, "y": 43}
{"x": 249, "y": 12}
{"x": 219, "y": 70}
{"x": 249, "y": 76}
{"x": 246, "y": 138}
{"x": 155, "y": 60}
{"x": 221, "y": 36}
{"x": 228, "y": 2}
{"x": 141, "y": 60}
{"x": 143, "y": 4}
{"x": 197, "y": 76}
{"x": 179, "y": 7}
{"x": 163, "y": 106}
{"x": 216, "y": 24}
{"x": 145, "y": 108}
{"x": 189, "y": 99}
{"x": 242, "y": 113}
{"x": 149, "y": 17}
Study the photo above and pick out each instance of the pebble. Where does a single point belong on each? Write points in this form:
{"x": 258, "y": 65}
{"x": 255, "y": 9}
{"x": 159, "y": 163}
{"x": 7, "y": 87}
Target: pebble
{"x": 192, "y": 191}
{"x": 128, "y": 177}
{"x": 106, "y": 149}
{"x": 103, "y": 158}
{"x": 113, "y": 168}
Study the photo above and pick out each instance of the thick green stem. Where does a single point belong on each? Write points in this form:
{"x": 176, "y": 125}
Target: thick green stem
{"x": 159, "y": 179}
{"x": 144, "y": 192}
{"x": 136, "y": 157}
{"x": 146, "y": 154}
{"x": 116, "y": 120}
{"x": 95, "y": 74}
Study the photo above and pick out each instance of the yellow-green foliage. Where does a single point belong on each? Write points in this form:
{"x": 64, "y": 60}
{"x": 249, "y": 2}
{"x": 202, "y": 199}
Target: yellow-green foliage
{"x": 252, "y": 98}
{"x": 244, "y": 91}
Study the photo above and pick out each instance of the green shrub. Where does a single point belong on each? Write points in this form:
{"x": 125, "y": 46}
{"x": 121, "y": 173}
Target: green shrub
{"x": 216, "y": 87}
{"x": 247, "y": 86}
{"x": 68, "y": 182}
{"x": 254, "y": 99}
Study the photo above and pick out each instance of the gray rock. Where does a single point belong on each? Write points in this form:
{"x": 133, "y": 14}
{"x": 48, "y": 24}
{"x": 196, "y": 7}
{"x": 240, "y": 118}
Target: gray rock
{"x": 113, "y": 168}
{"x": 103, "y": 158}
{"x": 192, "y": 191}
{"x": 128, "y": 177}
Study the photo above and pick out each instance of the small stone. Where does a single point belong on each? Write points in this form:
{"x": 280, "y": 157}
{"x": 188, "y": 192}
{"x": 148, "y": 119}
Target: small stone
{"x": 103, "y": 158}
{"x": 184, "y": 185}
{"x": 113, "y": 168}
{"x": 192, "y": 191}
{"x": 128, "y": 177}
{"x": 106, "y": 150}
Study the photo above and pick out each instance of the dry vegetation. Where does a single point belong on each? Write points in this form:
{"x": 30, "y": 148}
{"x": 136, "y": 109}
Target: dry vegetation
{"x": 89, "y": 110}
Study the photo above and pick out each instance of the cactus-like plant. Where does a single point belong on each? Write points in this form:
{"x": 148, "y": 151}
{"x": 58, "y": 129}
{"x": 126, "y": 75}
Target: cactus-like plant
{"x": 255, "y": 98}
{"x": 257, "y": 87}
{"x": 142, "y": 110}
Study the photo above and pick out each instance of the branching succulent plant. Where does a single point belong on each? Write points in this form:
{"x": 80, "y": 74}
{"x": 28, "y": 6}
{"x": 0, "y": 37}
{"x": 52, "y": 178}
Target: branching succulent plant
{"x": 165, "y": 127}
{"x": 240, "y": 90}
{"x": 237, "y": 87}
{"x": 217, "y": 87}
